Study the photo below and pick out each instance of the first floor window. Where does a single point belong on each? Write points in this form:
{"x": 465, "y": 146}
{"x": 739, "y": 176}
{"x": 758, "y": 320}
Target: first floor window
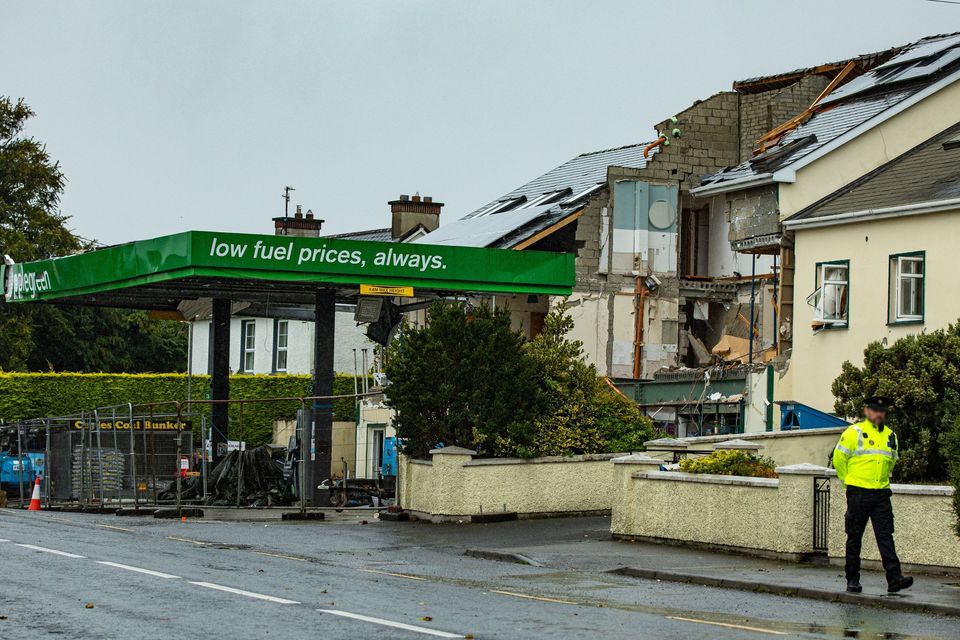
{"x": 248, "y": 340}
{"x": 906, "y": 284}
{"x": 831, "y": 299}
{"x": 281, "y": 344}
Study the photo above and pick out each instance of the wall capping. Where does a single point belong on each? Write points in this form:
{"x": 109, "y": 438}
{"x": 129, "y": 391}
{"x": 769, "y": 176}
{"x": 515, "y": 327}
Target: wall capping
{"x": 590, "y": 457}
{"x": 706, "y": 478}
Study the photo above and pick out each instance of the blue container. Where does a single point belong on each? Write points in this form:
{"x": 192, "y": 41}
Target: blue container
{"x": 794, "y": 415}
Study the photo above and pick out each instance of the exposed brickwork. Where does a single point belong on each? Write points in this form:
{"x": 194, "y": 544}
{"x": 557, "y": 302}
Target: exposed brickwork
{"x": 761, "y": 112}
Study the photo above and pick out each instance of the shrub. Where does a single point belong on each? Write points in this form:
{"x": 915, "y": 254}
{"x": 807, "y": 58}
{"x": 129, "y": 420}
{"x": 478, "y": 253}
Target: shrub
{"x": 731, "y": 463}
{"x": 467, "y": 379}
{"x": 921, "y": 373}
{"x": 581, "y": 413}
{"x": 462, "y": 380}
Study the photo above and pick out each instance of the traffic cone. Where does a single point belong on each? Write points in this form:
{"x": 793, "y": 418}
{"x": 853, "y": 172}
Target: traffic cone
{"x": 35, "y": 498}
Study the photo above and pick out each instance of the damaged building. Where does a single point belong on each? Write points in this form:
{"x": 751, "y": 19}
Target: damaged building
{"x": 661, "y": 294}
{"x": 871, "y": 110}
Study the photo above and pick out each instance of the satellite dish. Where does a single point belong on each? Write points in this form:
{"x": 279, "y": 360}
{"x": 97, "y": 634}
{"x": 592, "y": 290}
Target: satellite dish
{"x": 662, "y": 215}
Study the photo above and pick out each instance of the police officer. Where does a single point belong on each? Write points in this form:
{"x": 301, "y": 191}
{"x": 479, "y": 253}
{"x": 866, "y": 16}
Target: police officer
{"x": 864, "y": 458}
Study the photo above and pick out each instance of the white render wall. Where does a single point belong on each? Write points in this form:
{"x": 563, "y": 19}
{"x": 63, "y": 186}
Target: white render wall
{"x": 349, "y": 336}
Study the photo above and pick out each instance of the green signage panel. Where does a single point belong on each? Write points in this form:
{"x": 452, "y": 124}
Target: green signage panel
{"x": 291, "y": 259}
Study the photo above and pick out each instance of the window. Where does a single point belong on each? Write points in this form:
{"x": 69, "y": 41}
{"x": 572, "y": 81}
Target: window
{"x": 281, "y": 344}
{"x": 906, "y": 287}
{"x": 248, "y": 345}
{"x": 831, "y": 300}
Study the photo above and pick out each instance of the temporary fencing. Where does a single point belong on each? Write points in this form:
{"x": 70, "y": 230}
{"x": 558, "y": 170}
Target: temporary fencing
{"x": 155, "y": 454}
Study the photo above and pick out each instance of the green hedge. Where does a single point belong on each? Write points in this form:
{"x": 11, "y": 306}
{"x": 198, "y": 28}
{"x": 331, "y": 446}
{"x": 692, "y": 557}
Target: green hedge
{"x": 38, "y": 395}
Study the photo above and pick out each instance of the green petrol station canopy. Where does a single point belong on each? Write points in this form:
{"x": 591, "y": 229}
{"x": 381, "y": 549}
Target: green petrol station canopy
{"x": 160, "y": 272}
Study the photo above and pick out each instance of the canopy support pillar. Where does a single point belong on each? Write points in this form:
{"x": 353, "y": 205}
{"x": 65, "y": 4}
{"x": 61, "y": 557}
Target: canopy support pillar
{"x": 220, "y": 376}
{"x": 322, "y": 419}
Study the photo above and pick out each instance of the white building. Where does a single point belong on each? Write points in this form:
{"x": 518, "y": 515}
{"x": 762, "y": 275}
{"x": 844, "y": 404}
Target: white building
{"x": 280, "y": 345}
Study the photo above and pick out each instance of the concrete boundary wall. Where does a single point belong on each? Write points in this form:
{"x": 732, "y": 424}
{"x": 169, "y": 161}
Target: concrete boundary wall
{"x": 787, "y": 448}
{"x": 773, "y": 517}
{"x": 453, "y": 486}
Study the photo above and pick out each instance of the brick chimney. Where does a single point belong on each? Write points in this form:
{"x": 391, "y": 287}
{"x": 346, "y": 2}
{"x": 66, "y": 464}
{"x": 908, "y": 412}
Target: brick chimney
{"x": 409, "y": 212}
{"x": 300, "y": 224}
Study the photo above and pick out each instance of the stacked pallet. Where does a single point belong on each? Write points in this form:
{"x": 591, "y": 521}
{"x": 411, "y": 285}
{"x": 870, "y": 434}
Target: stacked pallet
{"x": 89, "y": 467}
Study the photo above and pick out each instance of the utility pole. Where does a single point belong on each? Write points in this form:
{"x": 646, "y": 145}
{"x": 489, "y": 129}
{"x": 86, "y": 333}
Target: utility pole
{"x": 286, "y": 206}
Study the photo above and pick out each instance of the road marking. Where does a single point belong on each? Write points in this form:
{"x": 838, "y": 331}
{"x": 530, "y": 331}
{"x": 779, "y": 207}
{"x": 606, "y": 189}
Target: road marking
{"x": 729, "y": 626}
{"x": 110, "y": 526}
{"x": 3, "y": 540}
{"x": 280, "y": 555}
{"x": 528, "y": 597}
{"x": 395, "y": 575}
{"x": 45, "y": 550}
{"x": 241, "y": 592}
{"x": 391, "y": 623}
{"x": 202, "y": 544}
{"x": 137, "y": 569}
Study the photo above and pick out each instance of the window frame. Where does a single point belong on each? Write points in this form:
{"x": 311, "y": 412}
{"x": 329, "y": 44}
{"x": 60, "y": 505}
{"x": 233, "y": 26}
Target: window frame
{"x": 277, "y": 349}
{"x": 818, "y": 286}
{"x": 893, "y": 288}
{"x": 245, "y": 335}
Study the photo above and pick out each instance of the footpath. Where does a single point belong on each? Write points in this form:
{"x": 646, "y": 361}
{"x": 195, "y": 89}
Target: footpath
{"x": 585, "y": 544}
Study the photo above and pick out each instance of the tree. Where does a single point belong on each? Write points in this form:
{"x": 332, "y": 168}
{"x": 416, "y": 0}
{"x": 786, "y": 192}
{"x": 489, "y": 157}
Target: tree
{"x": 921, "y": 373}
{"x": 51, "y": 337}
{"x": 464, "y": 380}
{"x": 467, "y": 379}
{"x": 581, "y": 413}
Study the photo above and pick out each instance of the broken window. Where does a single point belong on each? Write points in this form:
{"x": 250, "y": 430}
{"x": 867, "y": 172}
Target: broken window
{"x": 906, "y": 287}
{"x": 830, "y": 300}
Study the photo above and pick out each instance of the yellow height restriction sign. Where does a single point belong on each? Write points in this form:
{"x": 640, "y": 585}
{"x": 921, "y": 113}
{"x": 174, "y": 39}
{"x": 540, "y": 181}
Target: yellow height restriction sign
{"x": 376, "y": 290}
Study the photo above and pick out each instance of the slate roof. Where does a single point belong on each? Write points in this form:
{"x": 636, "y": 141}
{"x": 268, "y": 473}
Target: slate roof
{"x": 375, "y": 235}
{"x": 927, "y": 173}
{"x": 917, "y": 66}
{"x": 572, "y": 177}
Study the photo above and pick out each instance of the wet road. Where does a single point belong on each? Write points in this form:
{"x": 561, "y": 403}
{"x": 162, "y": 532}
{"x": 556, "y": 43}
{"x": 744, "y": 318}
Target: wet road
{"x": 150, "y": 578}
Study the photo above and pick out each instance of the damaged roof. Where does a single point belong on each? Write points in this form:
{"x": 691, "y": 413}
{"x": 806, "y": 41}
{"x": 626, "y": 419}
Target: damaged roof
{"x": 539, "y": 204}
{"x": 889, "y": 84}
{"x": 863, "y": 63}
{"x": 928, "y": 173}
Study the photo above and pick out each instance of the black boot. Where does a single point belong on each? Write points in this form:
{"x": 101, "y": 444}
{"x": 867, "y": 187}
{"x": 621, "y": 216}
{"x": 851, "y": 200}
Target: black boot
{"x": 903, "y": 582}
{"x": 853, "y": 585}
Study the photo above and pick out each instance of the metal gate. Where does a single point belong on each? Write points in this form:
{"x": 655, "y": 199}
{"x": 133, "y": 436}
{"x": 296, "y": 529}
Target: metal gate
{"x": 821, "y": 513}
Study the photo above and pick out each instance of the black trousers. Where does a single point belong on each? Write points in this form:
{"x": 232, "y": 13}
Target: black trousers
{"x": 873, "y": 505}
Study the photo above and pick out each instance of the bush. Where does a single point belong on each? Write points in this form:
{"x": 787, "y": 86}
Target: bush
{"x": 731, "y": 463}
{"x": 462, "y": 380}
{"x": 581, "y": 414}
{"x": 490, "y": 391}
{"x": 921, "y": 373}
{"x": 38, "y": 395}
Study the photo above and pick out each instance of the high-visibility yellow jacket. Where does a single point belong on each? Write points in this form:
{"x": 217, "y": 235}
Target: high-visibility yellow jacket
{"x": 865, "y": 455}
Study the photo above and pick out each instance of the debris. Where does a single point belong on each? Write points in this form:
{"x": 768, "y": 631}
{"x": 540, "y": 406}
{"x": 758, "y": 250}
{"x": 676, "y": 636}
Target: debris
{"x": 259, "y": 475}
{"x": 427, "y": 618}
{"x": 89, "y": 605}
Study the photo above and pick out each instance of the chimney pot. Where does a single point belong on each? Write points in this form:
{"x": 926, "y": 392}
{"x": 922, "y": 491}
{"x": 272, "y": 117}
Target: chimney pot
{"x": 404, "y": 197}
{"x": 298, "y": 208}
{"x": 298, "y": 215}
{"x": 428, "y": 198}
{"x": 416, "y": 198}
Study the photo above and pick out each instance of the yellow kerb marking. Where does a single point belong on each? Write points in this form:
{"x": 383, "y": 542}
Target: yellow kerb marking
{"x": 395, "y": 575}
{"x": 729, "y": 626}
{"x": 540, "y": 598}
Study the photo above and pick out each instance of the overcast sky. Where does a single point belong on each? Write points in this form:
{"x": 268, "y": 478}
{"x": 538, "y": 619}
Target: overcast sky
{"x": 168, "y": 116}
